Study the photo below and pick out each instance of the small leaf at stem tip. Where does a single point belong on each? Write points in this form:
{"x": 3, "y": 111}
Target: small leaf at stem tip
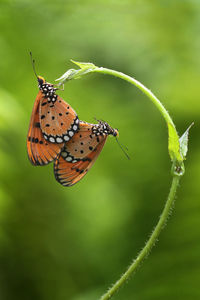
{"x": 67, "y": 75}
{"x": 84, "y": 65}
{"x": 85, "y": 68}
{"x": 184, "y": 142}
{"x": 173, "y": 144}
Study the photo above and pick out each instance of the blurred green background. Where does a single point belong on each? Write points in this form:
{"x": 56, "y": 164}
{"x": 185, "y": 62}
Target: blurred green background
{"x": 73, "y": 243}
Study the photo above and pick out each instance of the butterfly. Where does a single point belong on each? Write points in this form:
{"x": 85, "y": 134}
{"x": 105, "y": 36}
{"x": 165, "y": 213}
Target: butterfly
{"x": 79, "y": 154}
{"x": 53, "y": 122}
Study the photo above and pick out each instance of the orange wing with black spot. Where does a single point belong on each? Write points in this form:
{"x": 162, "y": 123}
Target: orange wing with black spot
{"x": 40, "y": 151}
{"x": 78, "y": 155}
{"x": 58, "y": 120}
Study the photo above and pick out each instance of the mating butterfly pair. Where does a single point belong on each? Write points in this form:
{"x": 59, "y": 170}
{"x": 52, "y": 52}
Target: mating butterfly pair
{"x": 55, "y": 133}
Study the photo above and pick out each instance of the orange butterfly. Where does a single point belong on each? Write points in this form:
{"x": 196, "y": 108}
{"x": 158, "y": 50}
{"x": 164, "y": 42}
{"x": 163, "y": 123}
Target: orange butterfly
{"x": 53, "y": 122}
{"x": 80, "y": 153}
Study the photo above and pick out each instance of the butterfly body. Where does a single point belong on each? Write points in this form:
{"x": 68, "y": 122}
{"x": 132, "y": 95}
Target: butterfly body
{"x": 80, "y": 153}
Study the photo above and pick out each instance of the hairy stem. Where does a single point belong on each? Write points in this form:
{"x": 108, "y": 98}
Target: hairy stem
{"x": 150, "y": 243}
{"x": 139, "y": 85}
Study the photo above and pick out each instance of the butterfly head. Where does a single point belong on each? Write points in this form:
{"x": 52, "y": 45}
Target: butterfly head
{"x": 115, "y": 132}
{"x": 112, "y": 131}
{"x": 41, "y": 81}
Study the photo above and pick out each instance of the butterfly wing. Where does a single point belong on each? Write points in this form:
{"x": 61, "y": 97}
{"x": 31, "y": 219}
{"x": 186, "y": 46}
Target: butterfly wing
{"x": 58, "y": 120}
{"x": 68, "y": 173}
{"x": 40, "y": 151}
{"x": 78, "y": 155}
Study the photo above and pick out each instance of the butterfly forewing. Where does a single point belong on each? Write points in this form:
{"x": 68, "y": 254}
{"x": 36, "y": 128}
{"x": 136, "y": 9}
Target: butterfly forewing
{"x": 40, "y": 151}
{"x": 84, "y": 141}
{"x": 53, "y": 122}
{"x": 58, "y": 120}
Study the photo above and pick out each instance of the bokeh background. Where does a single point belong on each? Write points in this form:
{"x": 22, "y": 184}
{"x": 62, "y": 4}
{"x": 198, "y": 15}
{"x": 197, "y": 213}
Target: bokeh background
{"x": 73, "y": 243}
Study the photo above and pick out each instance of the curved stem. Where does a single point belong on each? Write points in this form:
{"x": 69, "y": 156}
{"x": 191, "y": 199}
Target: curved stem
{"x": 150, "y": 243}
{"x": 173, "y": 138}
{"x": 139, "y": 85}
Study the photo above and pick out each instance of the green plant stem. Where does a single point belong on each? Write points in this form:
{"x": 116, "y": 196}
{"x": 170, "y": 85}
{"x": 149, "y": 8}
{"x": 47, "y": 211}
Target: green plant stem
{"x": 173, "y": 138}
{"x": 139, "y": 85}
{"x": 176, "y": 152}
{"x": 150, "y": 243}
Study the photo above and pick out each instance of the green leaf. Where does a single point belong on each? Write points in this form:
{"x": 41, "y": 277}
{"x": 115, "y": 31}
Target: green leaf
{"x": 184, "y": 142}
{"x": 66, "y": 76}
{"x": 84, "y": 65}
{"x": 85, "y": 68}
{"x": 173, "y": 144}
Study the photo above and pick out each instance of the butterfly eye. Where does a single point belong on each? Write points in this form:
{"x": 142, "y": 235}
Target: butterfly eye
{"x": 41, "y": 80}
{"x": 116, "y": 132}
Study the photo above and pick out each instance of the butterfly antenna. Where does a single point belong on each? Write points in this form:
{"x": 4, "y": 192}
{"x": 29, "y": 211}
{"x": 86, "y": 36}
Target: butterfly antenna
{"x": 96, "y": 119}
{"x": 99, "y": 120}
{"x": 33, "y": 64}
{"x": 122, "y": 148}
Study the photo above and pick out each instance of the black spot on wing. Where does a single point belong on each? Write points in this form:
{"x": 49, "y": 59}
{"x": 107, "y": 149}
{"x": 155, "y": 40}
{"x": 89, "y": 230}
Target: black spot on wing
{"x": 37, "y": 125}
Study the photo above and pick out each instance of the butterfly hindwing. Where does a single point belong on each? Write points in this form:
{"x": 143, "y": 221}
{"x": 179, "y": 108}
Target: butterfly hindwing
{"x": 40, "y": 151}
{"x": 78, "y": 155}
{"x": 68, "y": 173}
